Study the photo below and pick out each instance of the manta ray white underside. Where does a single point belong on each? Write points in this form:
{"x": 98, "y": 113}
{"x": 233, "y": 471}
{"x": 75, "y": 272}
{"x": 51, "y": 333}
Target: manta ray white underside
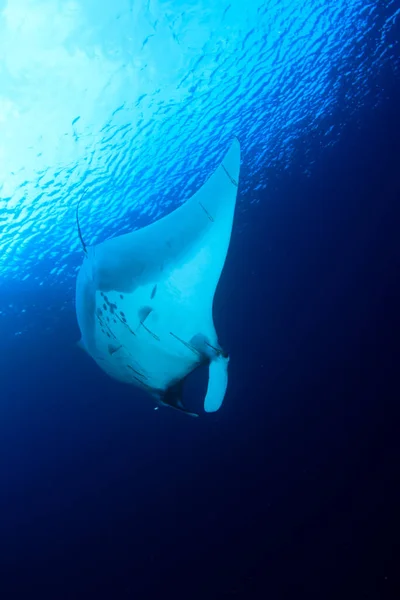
{"x": 144, "y": 300}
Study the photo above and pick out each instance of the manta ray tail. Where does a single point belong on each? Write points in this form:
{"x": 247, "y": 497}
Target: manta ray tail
{"x": 77, "y": 223}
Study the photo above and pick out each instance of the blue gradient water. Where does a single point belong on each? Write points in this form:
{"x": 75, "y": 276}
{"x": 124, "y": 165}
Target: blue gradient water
{"x": 135, "y": 103}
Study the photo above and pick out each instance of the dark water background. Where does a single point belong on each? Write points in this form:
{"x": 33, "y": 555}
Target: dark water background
{"x": 290, "y": 490}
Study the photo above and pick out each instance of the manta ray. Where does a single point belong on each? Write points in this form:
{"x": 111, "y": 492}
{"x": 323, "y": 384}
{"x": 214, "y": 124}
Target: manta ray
{"x": 144, "y": 299}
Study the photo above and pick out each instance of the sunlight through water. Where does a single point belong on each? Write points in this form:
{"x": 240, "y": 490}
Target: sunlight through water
{"x": 136, "y": 102}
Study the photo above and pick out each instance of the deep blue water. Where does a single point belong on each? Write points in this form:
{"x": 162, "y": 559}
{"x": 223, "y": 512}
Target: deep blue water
{"x": 290, "y": 490}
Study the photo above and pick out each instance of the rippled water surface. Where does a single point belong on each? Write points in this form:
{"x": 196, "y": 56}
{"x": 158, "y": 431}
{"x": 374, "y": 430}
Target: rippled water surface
{"x": 136, "y": 102}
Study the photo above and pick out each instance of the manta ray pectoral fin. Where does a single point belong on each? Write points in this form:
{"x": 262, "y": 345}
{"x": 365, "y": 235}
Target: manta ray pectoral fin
{"x": 173, "y": 397}
{"x": 81, "y": 345}
{"x": 217, "y": 383}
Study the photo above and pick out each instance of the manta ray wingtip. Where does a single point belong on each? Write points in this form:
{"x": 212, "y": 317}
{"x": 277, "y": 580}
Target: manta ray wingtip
{"x": 81, "y": 345}
{"x": 84, "y": 247}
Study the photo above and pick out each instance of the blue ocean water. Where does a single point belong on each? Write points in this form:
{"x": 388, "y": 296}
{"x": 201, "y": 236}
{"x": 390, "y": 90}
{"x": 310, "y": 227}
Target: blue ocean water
{"x": 289, "y": 490}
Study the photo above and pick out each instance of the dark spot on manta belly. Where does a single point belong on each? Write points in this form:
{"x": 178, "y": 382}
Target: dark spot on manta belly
{"x": 112, "y": 349}
{"x": 121, "y": 296}
{"x": 105, "y": 306}
{"x": 153, "y": 293}
{"x": 144, "y": 313}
